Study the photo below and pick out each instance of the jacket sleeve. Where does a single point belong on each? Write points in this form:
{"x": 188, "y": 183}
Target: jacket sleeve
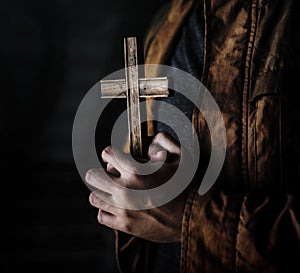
{"x": 240, "y": 233}
{"x": 251, "y": 230}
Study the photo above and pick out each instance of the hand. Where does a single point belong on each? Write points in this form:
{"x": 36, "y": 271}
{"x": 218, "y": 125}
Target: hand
{"x": 159, "y": 224}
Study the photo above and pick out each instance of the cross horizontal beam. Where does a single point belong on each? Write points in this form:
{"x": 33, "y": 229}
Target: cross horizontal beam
{"x": 148, "y": 87}
{"x": 133, "y": 88}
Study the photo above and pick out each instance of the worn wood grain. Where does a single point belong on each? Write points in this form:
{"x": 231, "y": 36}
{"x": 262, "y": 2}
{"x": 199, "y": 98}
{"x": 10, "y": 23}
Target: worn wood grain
{"x": 133, "y": 88}
{"x": 148, "y": 87}
{"x": 132, "y": 95}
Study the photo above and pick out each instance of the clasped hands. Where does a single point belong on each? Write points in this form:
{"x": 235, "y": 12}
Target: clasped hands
{"x": 158, "y": 224}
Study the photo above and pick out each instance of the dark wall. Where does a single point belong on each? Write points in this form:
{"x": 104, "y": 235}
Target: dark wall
{"x": 52, "y": 52}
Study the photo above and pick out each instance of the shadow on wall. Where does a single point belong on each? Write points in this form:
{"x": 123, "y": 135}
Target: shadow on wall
{"x": 52, "y": 52}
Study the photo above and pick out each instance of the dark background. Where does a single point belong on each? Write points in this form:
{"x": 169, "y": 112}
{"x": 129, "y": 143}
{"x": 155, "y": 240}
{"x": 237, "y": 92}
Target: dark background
{"x": 51, "y": 53}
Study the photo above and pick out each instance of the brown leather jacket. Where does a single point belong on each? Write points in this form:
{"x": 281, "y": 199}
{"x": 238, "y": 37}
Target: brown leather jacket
{"x": 250, "y": 220}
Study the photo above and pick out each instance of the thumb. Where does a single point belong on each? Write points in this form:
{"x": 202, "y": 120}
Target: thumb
{"x": 161, "y": 143}
{"x": 157, "y": 152}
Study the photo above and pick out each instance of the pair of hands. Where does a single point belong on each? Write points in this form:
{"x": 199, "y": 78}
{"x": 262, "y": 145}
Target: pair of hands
{"x": 159, "y": 224}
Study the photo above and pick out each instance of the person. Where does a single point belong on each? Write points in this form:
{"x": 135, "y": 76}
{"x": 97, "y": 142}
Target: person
{"x": 247, "y": 54}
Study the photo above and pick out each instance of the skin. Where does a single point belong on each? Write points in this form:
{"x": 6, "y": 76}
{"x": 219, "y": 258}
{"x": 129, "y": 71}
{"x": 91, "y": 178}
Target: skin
{"x": 161, "y": 224}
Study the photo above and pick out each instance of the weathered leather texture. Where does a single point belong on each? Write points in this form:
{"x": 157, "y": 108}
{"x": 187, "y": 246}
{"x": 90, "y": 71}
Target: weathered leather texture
{"x": 250, "y": 220}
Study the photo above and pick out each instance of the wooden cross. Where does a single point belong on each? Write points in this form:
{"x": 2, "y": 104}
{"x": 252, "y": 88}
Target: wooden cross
{"x": 133, "y": 88}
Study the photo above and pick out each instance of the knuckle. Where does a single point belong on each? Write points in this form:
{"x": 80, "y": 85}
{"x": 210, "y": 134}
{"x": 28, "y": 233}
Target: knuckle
{"x": 125, "y": 195}
{"x": 99, "y": 216}
{"x": 125, "y": 221}
{"x": 95, "y": 199}
{"x": 102, "y": 204}
{"x": 125, "y": 214}
{"x": 130, "y": 169}
{"x": 133, "y": 170}
{"x": 119, "y": 192}
{"x": 127, "y": 227}
{"x": 161, "y": 134}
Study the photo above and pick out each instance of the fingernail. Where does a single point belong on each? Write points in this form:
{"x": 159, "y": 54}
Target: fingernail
{"x": 107, "y": 149}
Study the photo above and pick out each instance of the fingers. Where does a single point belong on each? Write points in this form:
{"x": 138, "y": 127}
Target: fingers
{"x": 168, "y": 143}
{"x": 96, "y": 200}
{"x": 107, "y": 213}
{"x": 101, "y": 180}
{"x": 156, "y": 152}
{"x": 162, "y": 146}
{"x": 111, "y": 216}
{"x": 107, "y": 219}
{"x": 115, "y": 222}
{"x": 118, "y": 160}
{"x": 111, "y": 170}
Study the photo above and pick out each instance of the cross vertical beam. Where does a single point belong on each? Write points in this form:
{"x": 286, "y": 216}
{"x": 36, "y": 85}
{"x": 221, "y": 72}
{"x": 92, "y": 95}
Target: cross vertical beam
{"x": 133, "y": 88}
{"x": 133, "y": 101}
